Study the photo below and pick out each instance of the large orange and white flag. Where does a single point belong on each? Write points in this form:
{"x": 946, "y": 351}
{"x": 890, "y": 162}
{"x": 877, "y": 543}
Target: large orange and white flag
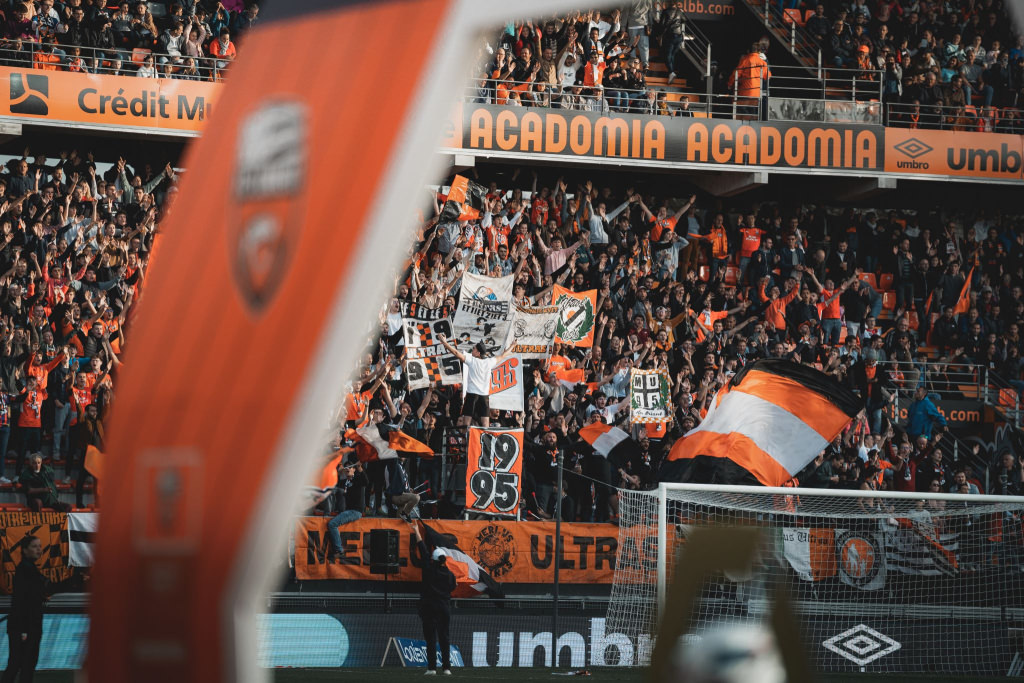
{"x": 763, "y": 427}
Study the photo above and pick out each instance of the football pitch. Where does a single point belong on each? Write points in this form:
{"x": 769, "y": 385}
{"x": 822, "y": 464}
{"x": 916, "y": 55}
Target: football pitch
{"x": 489, "y": 675}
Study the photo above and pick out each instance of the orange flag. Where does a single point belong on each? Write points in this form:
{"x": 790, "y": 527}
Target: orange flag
{"x": 401, "y": 441}
{"x": 964, "y": 302}
{"x": 329, "y": 474}
{"x": 94, "y": 462}
{"x": 577, "y": 312}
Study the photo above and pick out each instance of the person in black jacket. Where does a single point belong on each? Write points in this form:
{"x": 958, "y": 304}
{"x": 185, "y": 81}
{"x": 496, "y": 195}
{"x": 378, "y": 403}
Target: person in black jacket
{"x": 435, "y": 597}
{"x": 25, "y": 621}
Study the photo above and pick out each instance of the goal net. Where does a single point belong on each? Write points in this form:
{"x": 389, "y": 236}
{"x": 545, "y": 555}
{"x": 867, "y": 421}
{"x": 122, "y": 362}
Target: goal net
{"x": 881, "y": 582}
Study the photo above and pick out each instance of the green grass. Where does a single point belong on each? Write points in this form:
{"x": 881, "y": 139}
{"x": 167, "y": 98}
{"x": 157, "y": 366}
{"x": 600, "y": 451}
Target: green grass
{"x": 491, "y": 675}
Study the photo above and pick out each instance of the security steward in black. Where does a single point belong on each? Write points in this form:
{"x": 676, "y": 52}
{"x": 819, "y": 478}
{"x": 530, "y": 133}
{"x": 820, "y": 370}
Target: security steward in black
{"x": 25, "y": 620}
{"x": 435, "y": 611}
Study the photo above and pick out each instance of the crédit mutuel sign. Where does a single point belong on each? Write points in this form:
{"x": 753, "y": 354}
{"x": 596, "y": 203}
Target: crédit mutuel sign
{"x": 168, "y": 106}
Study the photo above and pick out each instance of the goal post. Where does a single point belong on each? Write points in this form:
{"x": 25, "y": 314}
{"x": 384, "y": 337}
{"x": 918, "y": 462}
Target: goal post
{"x": 878, "y": 578}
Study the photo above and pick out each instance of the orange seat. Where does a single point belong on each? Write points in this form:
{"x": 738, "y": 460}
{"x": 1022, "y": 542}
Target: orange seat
{"x": 704, "y": 273}
{"x": 842, "y": 334}
{"x": 912, "y": 320}
{"x": 732, "y": 275}
{"x": 870, "y": 279}
{"x": 889, "y": 301}
{"x": 1007, "y": 397}
{"x": 793, "y": 16}
{"x": 139, "y": 55}
{"x": 808, "y": 14}
{"x": 886, "y": 281}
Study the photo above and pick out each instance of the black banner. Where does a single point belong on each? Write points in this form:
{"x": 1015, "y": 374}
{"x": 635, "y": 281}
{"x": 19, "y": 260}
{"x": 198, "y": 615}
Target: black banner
{"x": 657, "y": 138}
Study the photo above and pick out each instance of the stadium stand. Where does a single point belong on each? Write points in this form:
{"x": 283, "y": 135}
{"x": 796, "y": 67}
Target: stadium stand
{"x": 875, "y": 297}
{"x": 148, "y": 40}
{"x": 662, "y": 305}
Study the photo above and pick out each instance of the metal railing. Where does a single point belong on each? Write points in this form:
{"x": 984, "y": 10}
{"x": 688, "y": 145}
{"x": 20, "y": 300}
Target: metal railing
{"x": 800, "y": 44}
{"x": 537, "y": 94}
{"x": 27, "y": 54}
{"x": 696, "y": 46}
{"x": 1002, "y": 396}
{"x": 965, "y": 119}
{"x": 949, "y": 381}
{"x": 839, "y": 95}
{"x": 826, "y": 84}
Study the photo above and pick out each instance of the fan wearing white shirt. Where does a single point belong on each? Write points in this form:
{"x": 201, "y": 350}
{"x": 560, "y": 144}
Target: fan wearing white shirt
{"x": 476, "y": 381}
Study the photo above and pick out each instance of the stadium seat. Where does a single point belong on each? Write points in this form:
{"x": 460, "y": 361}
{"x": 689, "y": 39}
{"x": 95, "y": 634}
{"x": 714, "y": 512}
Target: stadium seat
{"x": 704, "y": 273}
{"x": 912, "y": 320}
{"x": 808, "y": 14}
{"x": 888, "y": 300}
{"x": 870, "y": 279}
{"x": 139, "y": 55}
{"x": 793, "y": 16}
{"x": 732, "y": 275}
{"x": 885, "y": 281}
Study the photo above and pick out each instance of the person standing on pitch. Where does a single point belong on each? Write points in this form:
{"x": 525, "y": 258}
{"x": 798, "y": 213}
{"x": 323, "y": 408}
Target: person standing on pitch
{"x": 25, "y": 621}
{"x": 435, "y": 596}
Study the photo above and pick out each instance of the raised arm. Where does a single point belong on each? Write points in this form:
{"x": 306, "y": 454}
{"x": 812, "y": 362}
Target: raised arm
{"x": 425, "y": 403}
{"x": 454, "y": 351}
{"x": 686, "y": 207}
{"x": 647, "y": 212}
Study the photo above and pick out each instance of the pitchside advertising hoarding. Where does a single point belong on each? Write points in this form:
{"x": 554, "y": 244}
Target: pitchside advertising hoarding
{"x": 122, "y": 103}
{"x": 510, "y": 638}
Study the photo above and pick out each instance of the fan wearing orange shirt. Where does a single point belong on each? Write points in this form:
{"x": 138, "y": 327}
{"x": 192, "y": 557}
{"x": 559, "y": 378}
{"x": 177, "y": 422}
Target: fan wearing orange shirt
{"x": 557, "y": 362}
{"x": 41, "y": 371}
{"x": 831, "y": 323}
{"x": 775, "y": 313}
{"x": 750, "y": 241}
{"x": 82, "y": 394}
{"x": 96, "y": 376}
{"x": 663, "y": 221}
{"x": 30, "y": 420}
{"x": 708, "y": 317}
{"x": 357, "y": 402}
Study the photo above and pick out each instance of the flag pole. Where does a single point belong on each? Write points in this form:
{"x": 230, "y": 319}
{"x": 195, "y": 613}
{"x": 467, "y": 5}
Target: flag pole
{"x": 558, "y": 557}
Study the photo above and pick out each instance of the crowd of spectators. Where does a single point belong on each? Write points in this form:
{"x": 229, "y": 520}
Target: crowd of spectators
{"x": 590, "y": 60}
{"x": 186, "y": 39}
{"x": 952, "y": 65}
{"x": 702, "y": 289}
{"x": 957, "y": 65}
{"x": 75, "y": 242}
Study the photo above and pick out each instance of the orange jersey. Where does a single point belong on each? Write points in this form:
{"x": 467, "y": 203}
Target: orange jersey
{"x": 556, "y": 364}
{"x": 42, "y": 372}
{"x": 355, "y": 405}
{"x": 829, "y": 310}
{"x": 751, "y": 241}
{"x": 31, "y": 408}
{"x": 660, "y": 226}
{"x": 80, "y": 398}
{"x": 776, "y": 311}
